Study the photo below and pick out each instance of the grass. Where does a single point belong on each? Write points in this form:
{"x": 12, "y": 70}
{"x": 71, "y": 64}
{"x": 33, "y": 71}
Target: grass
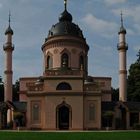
{"x": 126, "y": 135}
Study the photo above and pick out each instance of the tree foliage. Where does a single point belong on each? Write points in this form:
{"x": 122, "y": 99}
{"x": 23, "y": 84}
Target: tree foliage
{"x": 16, "y": 91}
{"x": 115, "y": 94}
{"x": 1, "y": 92}
{"x": 134, "y": 81}
{"x": 15, "y": 96}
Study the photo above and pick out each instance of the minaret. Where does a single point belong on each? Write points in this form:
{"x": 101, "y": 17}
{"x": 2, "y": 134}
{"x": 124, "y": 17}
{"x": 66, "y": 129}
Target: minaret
{"x": 122, "y": 48}
{"x": 8, "y": 49}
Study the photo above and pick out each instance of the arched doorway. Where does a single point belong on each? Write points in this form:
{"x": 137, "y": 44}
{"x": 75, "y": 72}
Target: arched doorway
{"x": 63, "y": 114}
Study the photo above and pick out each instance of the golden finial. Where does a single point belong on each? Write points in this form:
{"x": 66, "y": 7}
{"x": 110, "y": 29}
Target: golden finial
{"x": 65, "y": 4}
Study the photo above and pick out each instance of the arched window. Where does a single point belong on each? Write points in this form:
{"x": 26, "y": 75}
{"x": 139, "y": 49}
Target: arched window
{"x": 65, "y": 60}
{"x": 49, "y": 62}
{"x": 81, "y": 62}
{"x": 63, "y": 86}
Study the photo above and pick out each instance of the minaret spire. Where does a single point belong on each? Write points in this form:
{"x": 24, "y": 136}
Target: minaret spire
{"x": 121, "y": 19}
{"x": 65, "y": 4}
{"x": 9, "y": 29}
{"x": 9, "y": 17}
{"x": 122, "y": 29}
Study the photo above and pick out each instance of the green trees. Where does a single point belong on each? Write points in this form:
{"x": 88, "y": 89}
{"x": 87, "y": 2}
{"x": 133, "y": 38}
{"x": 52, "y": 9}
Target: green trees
{"x": 115, "y": 94}
{"x": 1, "y": 90}
{"x": 15, "y": 91}
{"x": 134, "y": 81}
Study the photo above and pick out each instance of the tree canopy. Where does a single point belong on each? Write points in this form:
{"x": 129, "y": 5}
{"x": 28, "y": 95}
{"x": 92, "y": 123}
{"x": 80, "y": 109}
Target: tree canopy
{"x": 15, "y": 94}
{"x": 134, "y": 81}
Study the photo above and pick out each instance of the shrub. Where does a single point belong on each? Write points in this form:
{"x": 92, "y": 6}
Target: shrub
{"x": 136, "y": 126}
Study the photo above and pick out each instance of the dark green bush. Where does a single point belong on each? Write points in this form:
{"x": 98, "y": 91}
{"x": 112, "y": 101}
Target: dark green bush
{"x": 137, "y": 126}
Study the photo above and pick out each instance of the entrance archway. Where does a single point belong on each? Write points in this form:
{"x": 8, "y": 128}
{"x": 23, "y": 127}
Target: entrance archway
{"x": 63, "y": 114}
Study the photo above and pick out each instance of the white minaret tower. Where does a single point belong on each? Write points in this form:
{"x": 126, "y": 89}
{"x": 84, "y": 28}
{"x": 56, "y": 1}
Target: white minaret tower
{"x": 122, "y": 48}
{"x": 8, "y": 49}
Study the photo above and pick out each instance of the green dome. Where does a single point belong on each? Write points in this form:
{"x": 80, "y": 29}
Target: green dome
{"x": 65, "y": 26}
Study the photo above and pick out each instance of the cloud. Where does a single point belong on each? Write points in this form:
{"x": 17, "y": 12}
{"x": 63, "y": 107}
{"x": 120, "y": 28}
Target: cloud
{"x": 113, "y": 2}
{"x": 129, "y": 12}
{"x": 136, "y": 48}
{"x": 130, "y": 32}
{"x": 106, "y": 49}
{"x": 133, "y": 12}
{"x": 1, "y": 5}
{"x": 105, "y": 28}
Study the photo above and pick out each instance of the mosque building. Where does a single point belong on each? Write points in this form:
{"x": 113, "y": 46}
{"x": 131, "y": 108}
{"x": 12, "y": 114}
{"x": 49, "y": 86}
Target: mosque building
{"x": 65, "y": 96}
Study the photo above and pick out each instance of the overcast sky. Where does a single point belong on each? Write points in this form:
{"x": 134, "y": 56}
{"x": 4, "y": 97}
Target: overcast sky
{"x": 99, "y": 20}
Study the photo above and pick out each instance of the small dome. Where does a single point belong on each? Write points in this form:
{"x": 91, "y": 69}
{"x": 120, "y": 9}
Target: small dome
{"x": 65, "y": 16}
{"x": 9, "y": 31}
{"x": 122, "y": 30}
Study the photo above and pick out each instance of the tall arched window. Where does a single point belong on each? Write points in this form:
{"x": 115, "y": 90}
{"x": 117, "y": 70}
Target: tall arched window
{"x": 65, "y": 60}
{"x": 81, "y": 62}
{"x": 49, "y": 62}
{"x": 63, "y": 86}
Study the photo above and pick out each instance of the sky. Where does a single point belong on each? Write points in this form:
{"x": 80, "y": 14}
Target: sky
{"x": 98, "y": 19}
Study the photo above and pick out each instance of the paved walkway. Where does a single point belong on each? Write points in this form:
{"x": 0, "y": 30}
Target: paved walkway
{"x": 70, "y": 131}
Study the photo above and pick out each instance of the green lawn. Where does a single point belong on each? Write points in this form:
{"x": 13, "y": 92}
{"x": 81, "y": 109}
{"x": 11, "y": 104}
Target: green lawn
{"x": 135, "y": 135}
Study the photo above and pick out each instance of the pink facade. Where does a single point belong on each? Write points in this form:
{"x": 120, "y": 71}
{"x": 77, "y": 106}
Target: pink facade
{"x": 65, "y": 97}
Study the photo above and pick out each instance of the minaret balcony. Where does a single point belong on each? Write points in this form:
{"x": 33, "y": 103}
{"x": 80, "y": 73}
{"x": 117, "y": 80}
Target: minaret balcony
{"x": 8, "y": 46}
{"x": 122, "y": 46}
